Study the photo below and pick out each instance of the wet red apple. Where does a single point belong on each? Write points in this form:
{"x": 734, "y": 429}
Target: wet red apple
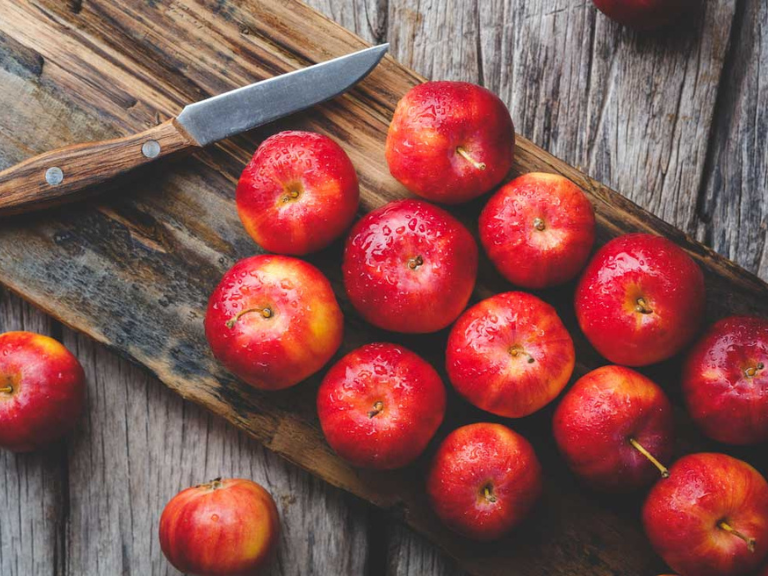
{"x": 640, "y": 299}
{"x": 450, "y": 141}
{"x": 710, "y": 517}
{"x": 538, "y": 230}
{"x": 42, "y": 391}
{"x": 645, "y": 14}
{"x": 614, "y": 428}
{"x": 410, "y": 266}
{"x": 484, "y": 480}
{"x": 222, "y": 528}
{"x": 380, "y": 405}
{"x": 298, "y": 193}
{"x": 725, "y": 381}
{"x": 510, "y": 354}
{"x": 273, "y": 321}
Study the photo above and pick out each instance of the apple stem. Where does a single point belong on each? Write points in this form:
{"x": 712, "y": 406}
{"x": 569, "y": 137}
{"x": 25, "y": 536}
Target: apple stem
{"x": 213, "y": 484}
{"x": 728, "y": 528}
{"x": 414, "y": 263}
{"x": 464, "y": 154}
{"x": 518, "y": 350}
{"x": 292, "y": 195}
{"x": 378, "y": 406}
{"x": 538, "y": 223}
{"x": 7, "y": 390}
{"x": 752, "y": 371}
{"x": 642, "y": 306}
{"x": 489, "y": 495}
{"x": 639, "y": 447}
{"x": 265, "y": 312}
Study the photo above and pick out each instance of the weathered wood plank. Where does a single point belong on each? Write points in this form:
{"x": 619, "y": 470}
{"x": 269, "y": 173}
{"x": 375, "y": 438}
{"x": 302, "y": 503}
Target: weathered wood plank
{"x": 411, "y": 555}
{"x": 733, "y": 204}
{"x": 366, "y": 18}
{"x": 137, "y": 240}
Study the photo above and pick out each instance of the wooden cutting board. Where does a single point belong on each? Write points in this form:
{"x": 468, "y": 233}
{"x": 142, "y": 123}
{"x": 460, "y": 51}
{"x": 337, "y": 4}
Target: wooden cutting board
{"x": 133, "y": 268}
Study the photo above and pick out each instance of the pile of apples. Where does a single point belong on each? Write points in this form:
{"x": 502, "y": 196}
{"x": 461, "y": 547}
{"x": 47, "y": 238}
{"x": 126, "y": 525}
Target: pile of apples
{"x": 410, "y": 267}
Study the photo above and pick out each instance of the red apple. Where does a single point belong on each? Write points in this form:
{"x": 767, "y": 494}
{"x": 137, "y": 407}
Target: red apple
{"x": 484, "y": 480}
{"x": 640, "y": 299}
{"x": 380, "y": 405}
{"x": 42, "y": 391}
{"x": 538, "y": 230}
{"x": 273, "y": 321}
{"x": 645, "y": 14}
{"x": 298, "y": 193}
{"x": 223, "y": 528}
{"x": 614, "y": 427}
{"x": 710, "y": 517}
{"x": 725, "y": 381}
{"x": 410, "y": 267}
{"x": 510, "y": 354}
{"x": 450, "y": 141}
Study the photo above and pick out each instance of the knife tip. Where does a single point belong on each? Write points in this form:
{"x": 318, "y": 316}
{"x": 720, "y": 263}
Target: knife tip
{"x": 382, "y": 48}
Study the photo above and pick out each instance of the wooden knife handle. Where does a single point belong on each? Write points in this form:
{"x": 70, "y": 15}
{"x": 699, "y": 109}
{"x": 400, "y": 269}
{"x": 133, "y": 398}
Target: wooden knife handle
{"x": 56, "y": 177}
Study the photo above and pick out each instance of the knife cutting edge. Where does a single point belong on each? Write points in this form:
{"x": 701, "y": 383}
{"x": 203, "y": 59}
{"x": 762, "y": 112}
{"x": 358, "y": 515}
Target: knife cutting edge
{"x": 56, "y": 177}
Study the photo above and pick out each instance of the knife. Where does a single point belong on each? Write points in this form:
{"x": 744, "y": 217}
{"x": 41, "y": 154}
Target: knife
{"x": 56, "y": 177}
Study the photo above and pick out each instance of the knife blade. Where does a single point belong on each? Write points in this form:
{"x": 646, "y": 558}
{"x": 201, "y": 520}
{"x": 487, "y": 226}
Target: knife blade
{"x": 251, "y": 106}
{"x": 61, "y": 175}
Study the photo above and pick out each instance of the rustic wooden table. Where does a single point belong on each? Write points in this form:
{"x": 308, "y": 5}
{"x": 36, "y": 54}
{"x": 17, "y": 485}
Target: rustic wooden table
{"x": 677, "y": 121}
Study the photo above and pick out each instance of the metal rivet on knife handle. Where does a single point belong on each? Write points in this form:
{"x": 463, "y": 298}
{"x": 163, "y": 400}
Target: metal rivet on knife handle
{"x": 54, "y": 176}
{"x": 151, "y": 149}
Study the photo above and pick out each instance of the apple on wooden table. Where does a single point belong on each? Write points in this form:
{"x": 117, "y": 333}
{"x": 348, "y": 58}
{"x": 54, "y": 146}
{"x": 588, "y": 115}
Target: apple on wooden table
{"x": 538, "y": 230}
{"x": 725, "y": 380}
{"x": 298, "y": 193}
{"x": 450, "y": 142}
{"x": 484, "y": 480}
{"x": 42, "y": 391}
{"x": 640, "y": 299}
{"x": 510, "y": 354}
{"x": 225, "y": 527}
{"x": 409, "y": 266}
{"x": 710, "y": 517}
{"x": 380, "y": 405}
{"x": 645, "y": 14}
{"x": 614, "y": 428}
{"x": 273, "y": 321}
